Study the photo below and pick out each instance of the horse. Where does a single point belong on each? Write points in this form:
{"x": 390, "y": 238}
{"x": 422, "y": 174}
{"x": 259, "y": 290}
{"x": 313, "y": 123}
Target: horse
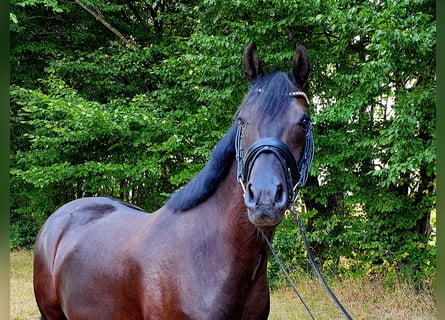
{"x": 203, "y": 254}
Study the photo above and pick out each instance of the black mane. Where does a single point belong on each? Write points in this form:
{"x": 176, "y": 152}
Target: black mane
{"x": 271, "y": 94}
{"x": 205, "y": 183}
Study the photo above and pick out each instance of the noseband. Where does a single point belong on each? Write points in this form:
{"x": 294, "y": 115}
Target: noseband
{"x": 296, "y": 174}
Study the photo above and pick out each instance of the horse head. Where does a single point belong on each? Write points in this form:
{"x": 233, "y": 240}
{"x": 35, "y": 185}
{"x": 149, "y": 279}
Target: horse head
{"x": 274, "y": 142}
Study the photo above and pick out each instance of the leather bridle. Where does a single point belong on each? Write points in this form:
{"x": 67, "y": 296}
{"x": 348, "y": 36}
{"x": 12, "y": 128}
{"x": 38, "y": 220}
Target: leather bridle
{"x": 296, "y": 174}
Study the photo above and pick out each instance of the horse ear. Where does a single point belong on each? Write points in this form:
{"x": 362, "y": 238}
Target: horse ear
{"x": 301, "y": 65}
{"x": 251, "y": 64}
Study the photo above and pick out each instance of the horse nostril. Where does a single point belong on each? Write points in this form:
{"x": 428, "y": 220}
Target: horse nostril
{"x": 280, "y": 197}
{"x": 279, "y": 193}
{"x": 249, "y": 198}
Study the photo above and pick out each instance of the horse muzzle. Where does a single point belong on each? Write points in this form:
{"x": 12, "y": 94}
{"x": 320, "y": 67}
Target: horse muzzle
{"x": 266, "y": 196}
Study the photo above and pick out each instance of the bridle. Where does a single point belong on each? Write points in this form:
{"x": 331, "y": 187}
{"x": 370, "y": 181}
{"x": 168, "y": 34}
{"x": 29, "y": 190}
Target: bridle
{"x": 296, "y": 174}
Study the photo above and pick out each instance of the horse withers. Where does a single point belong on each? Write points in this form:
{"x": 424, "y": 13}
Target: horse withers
{"x": 203, "y": 254}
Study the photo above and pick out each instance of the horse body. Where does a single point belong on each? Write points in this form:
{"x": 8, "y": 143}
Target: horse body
{"x": 203, "y": 254}
{"x": 192, "y": 277}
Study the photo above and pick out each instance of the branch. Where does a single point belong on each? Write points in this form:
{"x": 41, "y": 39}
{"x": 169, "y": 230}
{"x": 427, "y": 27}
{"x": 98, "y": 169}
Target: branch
{"x": 102, "y": 20}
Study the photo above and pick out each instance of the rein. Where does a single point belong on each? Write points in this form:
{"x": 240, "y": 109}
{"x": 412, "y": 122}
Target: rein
{"x": 314, "y": 266}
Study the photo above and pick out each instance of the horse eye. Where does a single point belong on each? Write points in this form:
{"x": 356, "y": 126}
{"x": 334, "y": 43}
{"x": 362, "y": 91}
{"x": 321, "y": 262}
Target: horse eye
{"x": 305, "y": 123}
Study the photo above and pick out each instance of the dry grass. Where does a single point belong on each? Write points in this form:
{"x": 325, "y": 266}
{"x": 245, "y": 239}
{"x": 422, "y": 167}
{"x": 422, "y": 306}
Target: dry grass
{"x": 362, "y": 298}
{"x": 21, "y": 301}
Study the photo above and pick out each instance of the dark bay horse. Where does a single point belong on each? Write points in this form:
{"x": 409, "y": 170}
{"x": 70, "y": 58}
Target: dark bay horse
{"x": 203, "y": 254}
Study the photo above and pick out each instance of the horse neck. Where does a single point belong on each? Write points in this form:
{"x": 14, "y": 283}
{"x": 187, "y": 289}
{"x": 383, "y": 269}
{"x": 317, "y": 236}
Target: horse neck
{"x": 246, "y": 240}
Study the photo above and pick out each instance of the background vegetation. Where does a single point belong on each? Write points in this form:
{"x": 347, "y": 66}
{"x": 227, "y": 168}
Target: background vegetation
{"x": 128, "y": 99}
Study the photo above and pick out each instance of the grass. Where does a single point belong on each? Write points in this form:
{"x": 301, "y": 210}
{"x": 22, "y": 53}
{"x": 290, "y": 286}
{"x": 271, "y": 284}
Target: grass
{"x": 364, "y": 299}
{"x": 21, "y": 301}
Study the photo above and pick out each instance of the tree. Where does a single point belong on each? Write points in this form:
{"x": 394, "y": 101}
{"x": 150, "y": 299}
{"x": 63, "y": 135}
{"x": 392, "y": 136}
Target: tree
{"x": 158, "y": 110}
{"x": 378, "y": 133}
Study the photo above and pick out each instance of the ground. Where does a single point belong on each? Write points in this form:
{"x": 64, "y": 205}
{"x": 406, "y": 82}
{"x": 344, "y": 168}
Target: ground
{"x": 362, "y": 298}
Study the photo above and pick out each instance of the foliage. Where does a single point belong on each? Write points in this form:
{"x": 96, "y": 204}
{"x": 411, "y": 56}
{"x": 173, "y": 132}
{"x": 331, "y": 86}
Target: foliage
{"x": 91, "y": 116}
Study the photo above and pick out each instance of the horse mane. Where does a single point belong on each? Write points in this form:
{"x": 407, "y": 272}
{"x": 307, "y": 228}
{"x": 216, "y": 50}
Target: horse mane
{"x": 271, "y": 94}
{"x": 205, "y": 183}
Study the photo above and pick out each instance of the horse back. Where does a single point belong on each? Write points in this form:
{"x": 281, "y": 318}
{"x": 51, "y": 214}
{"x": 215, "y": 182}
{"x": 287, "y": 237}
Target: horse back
{"x": 79, "y": 239}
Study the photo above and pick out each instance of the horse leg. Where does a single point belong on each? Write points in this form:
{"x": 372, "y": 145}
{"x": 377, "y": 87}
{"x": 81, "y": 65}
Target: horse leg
{"x": 49, "y": 308}
{"x": 45, "y": 291}
{"x": 62, "y": 317}
{"x": 48, "y": 304}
